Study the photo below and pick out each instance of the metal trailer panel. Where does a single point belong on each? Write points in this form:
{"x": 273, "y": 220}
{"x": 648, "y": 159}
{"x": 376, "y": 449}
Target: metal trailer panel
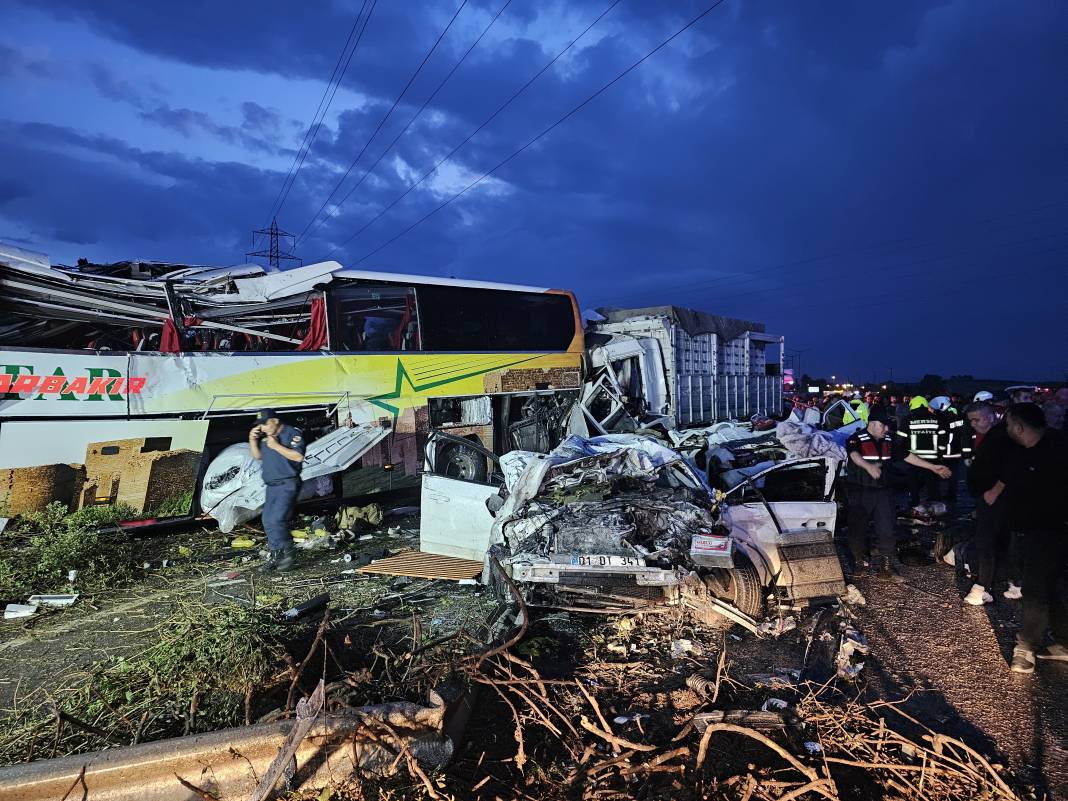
{"x": 710, "y": 380}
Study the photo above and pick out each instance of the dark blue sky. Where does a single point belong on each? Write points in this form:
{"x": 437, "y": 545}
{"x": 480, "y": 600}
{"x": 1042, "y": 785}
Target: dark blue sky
{"x": 884, "y": 183}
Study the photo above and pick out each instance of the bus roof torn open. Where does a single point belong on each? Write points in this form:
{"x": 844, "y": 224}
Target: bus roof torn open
{"x": 127, "y": 305}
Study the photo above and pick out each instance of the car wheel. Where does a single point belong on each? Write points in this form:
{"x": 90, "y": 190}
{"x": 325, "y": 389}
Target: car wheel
{"x": 462, "y": 462}
{"x": 739, "y": 585}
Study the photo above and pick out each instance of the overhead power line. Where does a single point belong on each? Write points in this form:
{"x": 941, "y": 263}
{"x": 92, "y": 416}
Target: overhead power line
{"x": 414, "y": 117}
{"x": 566, "y": 116}
{"x": 382, "y": 122}
{"x": 482, "y": 125}
{"x": 325, "y": 101}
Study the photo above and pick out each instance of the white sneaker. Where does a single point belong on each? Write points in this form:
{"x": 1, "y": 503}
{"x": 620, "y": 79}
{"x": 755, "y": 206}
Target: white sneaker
{"x": 978, "y": 596}
{"x": 1055, "y": 652}
{"x": 1014, "y": 592}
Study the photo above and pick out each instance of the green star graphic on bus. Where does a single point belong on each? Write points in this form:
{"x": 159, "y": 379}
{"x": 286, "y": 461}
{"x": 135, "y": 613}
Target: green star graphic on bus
{"x": 419, "y": 392}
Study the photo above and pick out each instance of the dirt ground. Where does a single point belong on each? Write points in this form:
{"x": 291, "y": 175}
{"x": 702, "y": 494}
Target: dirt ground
{"x": 948, "y": 659}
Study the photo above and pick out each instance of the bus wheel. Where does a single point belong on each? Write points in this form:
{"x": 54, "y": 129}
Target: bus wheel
{"x": 462, "y": 462}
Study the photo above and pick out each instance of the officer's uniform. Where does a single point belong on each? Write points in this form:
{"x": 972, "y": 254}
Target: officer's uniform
{"x": 871, "y": 499}
{"x": 923, "y": 434}
{"x": 282, "y": 478}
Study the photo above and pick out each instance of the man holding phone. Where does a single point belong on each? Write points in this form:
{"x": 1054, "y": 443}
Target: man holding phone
{"x": 280, "y": 450}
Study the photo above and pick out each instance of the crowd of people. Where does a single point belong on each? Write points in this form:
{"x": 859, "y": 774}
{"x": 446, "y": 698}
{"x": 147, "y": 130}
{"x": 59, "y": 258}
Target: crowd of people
{"x": 1010, "y": 453}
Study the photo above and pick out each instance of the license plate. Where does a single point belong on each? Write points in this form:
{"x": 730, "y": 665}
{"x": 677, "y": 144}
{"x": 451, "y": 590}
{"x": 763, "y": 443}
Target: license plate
{"x": 599, "y": 560}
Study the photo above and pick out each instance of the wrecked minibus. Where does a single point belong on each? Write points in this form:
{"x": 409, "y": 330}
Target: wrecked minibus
{"x": 136, "y": 383}
{"x": 625, "y": 523}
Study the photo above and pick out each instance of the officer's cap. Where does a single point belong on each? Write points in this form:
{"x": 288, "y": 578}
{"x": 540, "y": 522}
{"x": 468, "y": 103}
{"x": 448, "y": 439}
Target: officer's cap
{"x": 265, "y": 415}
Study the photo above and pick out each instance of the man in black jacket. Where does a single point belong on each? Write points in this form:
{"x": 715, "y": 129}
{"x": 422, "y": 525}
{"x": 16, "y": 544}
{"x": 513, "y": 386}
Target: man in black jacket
{"x": 1034, "y": 477}
{"x": 871, "y": 449}
{"x": 990, "y": 450}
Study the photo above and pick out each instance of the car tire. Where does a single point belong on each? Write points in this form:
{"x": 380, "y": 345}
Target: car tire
{"x": 462, "y": 462}
{"x": 739, "y": 586}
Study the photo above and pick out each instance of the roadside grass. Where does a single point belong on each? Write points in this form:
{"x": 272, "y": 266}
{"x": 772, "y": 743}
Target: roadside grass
{"x": 39, "y": 549}
{"x": 204, "y": 671}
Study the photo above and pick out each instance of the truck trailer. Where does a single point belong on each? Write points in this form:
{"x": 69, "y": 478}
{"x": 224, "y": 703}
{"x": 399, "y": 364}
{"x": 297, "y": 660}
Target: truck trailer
{"x": 692, "y": 366}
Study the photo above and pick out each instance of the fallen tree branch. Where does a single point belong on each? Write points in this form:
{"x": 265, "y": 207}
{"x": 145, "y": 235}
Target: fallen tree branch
{"x": 311, "y": 652}
{"x": 519, "y": 635}
{"x": 612, "y": 738}
{"x": 204, "y": 794}
{"x": 702, "y": 750}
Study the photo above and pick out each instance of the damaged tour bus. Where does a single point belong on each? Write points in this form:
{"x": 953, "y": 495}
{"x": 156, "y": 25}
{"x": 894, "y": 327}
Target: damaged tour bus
{"x": 136, "y": 383}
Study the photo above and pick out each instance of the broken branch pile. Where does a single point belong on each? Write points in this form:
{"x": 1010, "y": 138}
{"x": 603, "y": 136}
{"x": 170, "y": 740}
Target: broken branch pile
{"x": 826, "y": 746}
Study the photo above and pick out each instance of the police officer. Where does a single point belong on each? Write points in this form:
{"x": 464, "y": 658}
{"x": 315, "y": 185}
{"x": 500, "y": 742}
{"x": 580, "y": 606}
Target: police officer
{"x": 280, "y": 450}
{"x": 871, "y": 450}
{"x": 921, "y": 434}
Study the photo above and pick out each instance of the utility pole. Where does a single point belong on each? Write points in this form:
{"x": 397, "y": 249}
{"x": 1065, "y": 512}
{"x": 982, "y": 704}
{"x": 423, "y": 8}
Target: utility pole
{"x": 273, "y": 252}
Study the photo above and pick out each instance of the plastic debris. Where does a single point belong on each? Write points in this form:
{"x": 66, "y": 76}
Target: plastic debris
{"x": 813, "y": 747}
{"x": 853, "y": 646}
{"x": 778, "y": 626}
{"x": 15, "y": 611}
{"x": 72, "y": 575}
{"x": 311, "y": 605}
{"x": 854, "y": 596}
{"x": 680, "y": 647}
{"x": 772, "y": 704}
{"x": 619, "y": 720}
{"x": 52, "y": 600}
{"x": 242, "y": 542}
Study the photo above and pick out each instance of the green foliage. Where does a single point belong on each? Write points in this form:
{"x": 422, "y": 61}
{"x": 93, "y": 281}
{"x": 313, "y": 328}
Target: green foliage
{"x": 61, "y": 542}
{"x": 173, "y": 507}
{"x": 196, "y": 677}
{"x": 535, "y": 647}
{"x": 215, "y": 654}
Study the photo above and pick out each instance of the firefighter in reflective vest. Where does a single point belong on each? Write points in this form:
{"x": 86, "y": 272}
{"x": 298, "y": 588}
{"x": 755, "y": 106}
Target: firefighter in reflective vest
{"x": 922, "y": 435}
{"x": 870, "y": 496}
{"x": 951, "y": 442}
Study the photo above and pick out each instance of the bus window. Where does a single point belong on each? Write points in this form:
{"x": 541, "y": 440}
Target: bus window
{"x": 373, "y": 318}
{"x": 469, "y": 319}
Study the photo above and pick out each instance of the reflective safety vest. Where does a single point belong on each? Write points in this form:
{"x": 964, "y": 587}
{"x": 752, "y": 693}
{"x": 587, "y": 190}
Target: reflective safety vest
{"x": 952, "y": 436}
{"x": 924, "y": 432}
{"x": 870, "y": 449}
{"x": 874, "y": 450}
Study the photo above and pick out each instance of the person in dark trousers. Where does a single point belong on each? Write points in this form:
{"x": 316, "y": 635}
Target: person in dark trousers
{"x": 990, "y": 449}
{"x": 922, "y": 433}
{"x": 1034, "y": 477}
{"x": 870, "y": 452}
{"x": 280, "y": 450}
{"x": 950, "y": 443}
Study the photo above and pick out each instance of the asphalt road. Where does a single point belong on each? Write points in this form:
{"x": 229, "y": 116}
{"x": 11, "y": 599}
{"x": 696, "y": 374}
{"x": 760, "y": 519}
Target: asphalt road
{"x": 924, "y": 637}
